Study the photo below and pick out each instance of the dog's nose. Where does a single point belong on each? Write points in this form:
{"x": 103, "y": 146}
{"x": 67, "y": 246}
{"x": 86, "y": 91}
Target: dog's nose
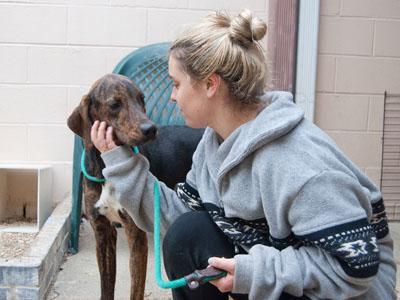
{"x": 148, "y": 130}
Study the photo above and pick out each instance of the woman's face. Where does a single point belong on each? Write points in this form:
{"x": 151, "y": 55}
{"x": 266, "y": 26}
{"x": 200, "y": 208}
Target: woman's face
{"x": 190, "y": 96}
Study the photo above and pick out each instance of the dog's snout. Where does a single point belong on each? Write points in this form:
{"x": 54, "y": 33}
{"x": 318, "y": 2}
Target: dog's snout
{"x": 148, "y": 130}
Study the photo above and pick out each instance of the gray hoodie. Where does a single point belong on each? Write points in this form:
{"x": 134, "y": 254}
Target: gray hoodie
{"x": 326, "y": 234}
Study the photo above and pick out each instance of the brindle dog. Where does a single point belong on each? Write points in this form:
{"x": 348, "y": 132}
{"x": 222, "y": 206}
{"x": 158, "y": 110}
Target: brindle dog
{"x": 117, "y": 101}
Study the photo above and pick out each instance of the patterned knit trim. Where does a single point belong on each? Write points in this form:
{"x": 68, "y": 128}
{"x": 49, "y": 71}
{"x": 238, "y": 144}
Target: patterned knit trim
{"x": 379, "y": 219}
{"x": 354, "y": 245}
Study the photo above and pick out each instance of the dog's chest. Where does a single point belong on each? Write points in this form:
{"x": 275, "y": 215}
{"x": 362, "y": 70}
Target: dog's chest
{"x": 108, "y": 205}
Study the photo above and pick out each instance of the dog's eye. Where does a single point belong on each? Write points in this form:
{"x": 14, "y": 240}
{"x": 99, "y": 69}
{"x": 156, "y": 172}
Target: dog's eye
{"x": 115, "y": 105}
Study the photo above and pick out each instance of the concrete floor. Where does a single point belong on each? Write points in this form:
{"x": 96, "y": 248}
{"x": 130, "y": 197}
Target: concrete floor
{"x": 79, "y": 277}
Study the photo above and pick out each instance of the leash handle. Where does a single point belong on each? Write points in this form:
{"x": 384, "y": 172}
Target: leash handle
{"x": 198, "y": 277}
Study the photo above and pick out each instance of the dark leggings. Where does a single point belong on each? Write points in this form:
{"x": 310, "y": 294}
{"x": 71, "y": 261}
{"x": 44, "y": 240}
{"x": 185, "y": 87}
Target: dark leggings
{"x": 189, "y": 242}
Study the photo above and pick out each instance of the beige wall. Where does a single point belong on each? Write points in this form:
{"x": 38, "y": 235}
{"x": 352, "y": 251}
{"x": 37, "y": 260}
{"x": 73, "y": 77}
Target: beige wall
{"x": 52, "y": 50}
{"x": 358, "y": 59}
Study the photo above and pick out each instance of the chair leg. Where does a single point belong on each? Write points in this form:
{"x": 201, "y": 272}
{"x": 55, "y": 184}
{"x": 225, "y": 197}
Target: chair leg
{"x": 76, "y": 210}
{"x": 76, "y": 196}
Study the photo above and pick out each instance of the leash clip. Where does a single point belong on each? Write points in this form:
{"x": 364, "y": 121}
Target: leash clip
{"x": 199, "y": 277}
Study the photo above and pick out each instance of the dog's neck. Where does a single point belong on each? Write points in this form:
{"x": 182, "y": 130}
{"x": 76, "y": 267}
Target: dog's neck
{"x": 94, "y": 163}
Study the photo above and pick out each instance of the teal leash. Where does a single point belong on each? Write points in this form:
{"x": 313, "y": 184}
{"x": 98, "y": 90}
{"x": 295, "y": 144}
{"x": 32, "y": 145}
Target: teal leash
{"x": 157, "y": 257}
{"x": 92, "y": 178}
{"x": 192, "y": 280}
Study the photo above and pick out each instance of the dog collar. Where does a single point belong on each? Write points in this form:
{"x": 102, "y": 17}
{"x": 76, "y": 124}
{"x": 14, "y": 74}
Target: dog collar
{"x": 90, "y": 177}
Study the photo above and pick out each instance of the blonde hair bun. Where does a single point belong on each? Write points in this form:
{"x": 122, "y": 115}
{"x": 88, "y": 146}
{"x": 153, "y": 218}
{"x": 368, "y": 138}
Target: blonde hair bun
{"x": 246, "y": 29}
{"x": 229, "y": 47}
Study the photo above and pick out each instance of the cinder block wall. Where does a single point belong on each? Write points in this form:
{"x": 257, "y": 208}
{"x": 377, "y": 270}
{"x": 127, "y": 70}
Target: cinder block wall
{"x": 52, "y": 50}
{"x": 358, "y": 59}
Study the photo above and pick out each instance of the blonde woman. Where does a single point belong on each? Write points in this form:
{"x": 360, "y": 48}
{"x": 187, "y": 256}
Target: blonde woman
{"x": 270, "y": 198}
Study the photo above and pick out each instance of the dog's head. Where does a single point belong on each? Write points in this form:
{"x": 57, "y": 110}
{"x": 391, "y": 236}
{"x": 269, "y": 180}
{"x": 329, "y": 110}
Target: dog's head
{"x": 116, "y": 100}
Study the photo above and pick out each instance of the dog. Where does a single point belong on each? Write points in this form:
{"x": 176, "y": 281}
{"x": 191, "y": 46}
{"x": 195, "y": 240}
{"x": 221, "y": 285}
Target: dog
{"x": 116, "y": 100}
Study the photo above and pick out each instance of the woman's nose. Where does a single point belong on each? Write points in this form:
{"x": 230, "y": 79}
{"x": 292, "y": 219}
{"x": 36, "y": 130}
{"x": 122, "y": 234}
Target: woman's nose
{"x": 173, "y": 99}
{"x": 173, "y": 96}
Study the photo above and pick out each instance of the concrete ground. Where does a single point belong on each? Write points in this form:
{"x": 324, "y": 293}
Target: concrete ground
{"x": 79, "y": 277}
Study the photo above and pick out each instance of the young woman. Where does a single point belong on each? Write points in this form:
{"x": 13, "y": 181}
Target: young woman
{"x": 270, "y": 198}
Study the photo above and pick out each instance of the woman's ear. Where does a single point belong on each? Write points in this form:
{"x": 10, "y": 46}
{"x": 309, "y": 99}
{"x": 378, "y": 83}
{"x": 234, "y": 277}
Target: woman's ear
{"x": 212, "y": 84}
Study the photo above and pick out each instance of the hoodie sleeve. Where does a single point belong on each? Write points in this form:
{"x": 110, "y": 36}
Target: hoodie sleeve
{"x": 129, "y": 174}
{"x": 335, "y": 256}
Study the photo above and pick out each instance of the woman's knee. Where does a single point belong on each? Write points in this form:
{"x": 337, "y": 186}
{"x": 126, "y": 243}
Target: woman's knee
{"x": 185, "y": 231}
{"x": 194, "y": 236}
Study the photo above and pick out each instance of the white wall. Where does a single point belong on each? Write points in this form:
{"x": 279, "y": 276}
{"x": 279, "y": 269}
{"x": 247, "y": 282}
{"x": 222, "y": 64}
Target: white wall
{"x": 52, "y": 50}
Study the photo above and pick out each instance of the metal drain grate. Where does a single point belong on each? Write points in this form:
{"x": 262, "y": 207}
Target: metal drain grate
{"x": 390, "y": 179}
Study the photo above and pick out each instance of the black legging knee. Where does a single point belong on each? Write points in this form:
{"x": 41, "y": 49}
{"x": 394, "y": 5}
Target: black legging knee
{"x": 189, "y": 242}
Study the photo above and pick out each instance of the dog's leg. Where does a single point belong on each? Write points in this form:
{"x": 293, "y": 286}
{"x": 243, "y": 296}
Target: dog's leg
{"x": 106, "y": 239}
{"x": 137, "y": 241}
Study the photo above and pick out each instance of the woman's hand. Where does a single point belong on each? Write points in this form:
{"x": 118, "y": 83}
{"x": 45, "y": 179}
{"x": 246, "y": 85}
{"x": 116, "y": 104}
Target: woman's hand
{"x": 102, "y": 136}
{"x": 224, "y": 284}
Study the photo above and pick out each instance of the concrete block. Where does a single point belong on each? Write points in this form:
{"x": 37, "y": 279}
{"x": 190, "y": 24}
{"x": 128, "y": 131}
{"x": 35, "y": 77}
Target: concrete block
{"x": 337, "y": 36}
{"x": 387, "y": 42}
{"x": 89, "y": 2}
{"x": 33, "y": 24}
{"x": 114, "y": 56}
{"x": 157, "y": 31}
{"x": 375, "y": 175}
{"x": 49, "y": 247}
{"x": 341, "y": 112}
{"x": 367, "y": 75}
{"x": 150, "y": 3}
{"x": 33, "y": 104}
{"x": 371, "y": 8}
{"x": 3, "y": 293}
{"x": 364, "y": 149}
{"x": 376, "y": 113}
{"x": 14, "y": 143}
{"x": 62, "y": 179}
{"x": 50, "y": 143}
{"x": 20, "y": 275}
{"x": 66, "y": 65}
{"x": 230, "y": 5}
{"x": 326, "y": 70}
{"x": 75, "y": 94}
{"x": 107, "y": 26}
{"x": 329, "y": 7}
{"x": 13, "y": 61}
{"x": 27, "y": 293}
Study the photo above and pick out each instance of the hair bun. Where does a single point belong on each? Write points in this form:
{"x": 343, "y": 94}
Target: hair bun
{"x": 246, "y": 29}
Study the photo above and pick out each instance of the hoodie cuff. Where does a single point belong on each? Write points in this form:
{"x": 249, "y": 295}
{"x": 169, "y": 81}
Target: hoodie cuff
{"x": 117, "y": 155}
{"x": 243, "y": 274}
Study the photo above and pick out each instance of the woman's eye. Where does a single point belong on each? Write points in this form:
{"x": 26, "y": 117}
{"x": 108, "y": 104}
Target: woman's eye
{"x": 176, "y": 85}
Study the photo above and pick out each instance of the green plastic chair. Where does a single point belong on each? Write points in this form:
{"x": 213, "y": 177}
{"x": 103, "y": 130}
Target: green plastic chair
{"x": 148, "y": 68}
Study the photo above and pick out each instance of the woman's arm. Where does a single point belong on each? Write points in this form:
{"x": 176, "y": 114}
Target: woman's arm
{"x": 337, "y": 256}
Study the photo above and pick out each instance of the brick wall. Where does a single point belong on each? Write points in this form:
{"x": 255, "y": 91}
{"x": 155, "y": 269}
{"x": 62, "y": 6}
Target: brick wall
{"x": 52, "y": 50}
{"x": 358, "y": 59}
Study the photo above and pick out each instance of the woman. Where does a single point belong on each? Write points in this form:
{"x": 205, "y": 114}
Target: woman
{"x": 270, "y": 198}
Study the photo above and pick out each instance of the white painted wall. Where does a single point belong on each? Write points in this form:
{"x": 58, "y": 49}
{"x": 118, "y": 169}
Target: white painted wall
{"x": 52, "y": 50}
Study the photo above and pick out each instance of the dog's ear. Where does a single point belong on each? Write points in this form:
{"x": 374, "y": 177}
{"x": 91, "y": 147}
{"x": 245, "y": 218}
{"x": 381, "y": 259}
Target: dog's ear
{"x": 78, "y": 121}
